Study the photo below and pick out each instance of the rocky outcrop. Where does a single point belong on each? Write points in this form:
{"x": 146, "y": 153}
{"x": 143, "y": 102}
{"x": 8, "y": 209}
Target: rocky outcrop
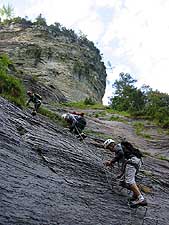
{"x": 61, "y": 67}
{"x": 50, "y": 177}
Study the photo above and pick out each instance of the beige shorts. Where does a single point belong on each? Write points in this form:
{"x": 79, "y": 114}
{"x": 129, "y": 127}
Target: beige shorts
{"x": 130, "y": 170}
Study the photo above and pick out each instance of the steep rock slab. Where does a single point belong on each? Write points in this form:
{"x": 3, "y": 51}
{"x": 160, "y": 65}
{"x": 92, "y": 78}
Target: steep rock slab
{"x": 49, "y": 177}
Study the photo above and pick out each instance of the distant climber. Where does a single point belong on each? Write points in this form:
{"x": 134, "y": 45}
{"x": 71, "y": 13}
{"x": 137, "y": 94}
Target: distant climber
{"x": 36, "y": 99}
{"x": 130, "y": 166}
{"x": 76, "y": 122}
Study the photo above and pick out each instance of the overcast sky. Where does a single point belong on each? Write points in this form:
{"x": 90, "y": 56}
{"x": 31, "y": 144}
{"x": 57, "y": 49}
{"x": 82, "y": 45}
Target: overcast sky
{"x": 133, "y": 35}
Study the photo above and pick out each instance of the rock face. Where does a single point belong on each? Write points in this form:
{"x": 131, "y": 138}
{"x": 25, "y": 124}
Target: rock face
{"x": 62, "y": 67}
{"x": 50, "y": 177}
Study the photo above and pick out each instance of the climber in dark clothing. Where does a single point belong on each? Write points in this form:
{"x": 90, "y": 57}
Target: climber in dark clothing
{"x": 36, "y": 99}
{"x": 76, "y": 122}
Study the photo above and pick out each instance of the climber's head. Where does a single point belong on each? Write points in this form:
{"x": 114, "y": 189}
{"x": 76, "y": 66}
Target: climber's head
{"x": 109, "y": 144}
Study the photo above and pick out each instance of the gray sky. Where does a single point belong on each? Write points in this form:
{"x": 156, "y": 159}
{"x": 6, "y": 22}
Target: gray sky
{"x": 132, "y": 34}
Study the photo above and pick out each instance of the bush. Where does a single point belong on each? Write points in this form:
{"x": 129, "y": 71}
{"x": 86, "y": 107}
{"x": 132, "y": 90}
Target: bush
{"x": 40, "y": 21}
{"x": 17, "y": 20}
{"x": 89, "y": 101}
{"x": 10, "y": 86}
{"x": 82, "y": 105}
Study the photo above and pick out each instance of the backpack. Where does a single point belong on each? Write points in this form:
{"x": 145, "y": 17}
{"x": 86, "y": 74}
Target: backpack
{"x": 81, "y": 122}
{"x": 78, "y": 113}
{"x": 38, "y": 96}
{"x": 130, "y": 151}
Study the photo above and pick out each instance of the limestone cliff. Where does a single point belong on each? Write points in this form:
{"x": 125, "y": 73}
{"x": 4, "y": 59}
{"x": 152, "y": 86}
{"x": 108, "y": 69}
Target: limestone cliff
{"x": 61, "y": 65}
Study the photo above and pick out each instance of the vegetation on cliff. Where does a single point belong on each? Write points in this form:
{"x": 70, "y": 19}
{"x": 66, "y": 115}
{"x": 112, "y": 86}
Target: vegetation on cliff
{"x": 10, "y": 86}
{"x": 142, "y": 102}
{"x": 139, "y": 102}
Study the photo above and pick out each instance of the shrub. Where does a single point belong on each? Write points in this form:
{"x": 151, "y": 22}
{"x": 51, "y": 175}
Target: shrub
{"x": 82, "y": 105}
{"x": 40, "y": 21}
{"x": 10, "y": 86}
{"x": 89, "y": 101}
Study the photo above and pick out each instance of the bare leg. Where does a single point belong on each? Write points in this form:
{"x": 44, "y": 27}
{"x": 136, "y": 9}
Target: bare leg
{"x": 135, "y": 190}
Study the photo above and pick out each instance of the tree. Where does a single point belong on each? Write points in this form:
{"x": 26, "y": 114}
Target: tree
{"x": 126, "y": 96}
{"x": 157, "y": 107}
{"x": 7, "y": 11}
{"x": 40, "y": 20}
{"x": 124, "y": 81}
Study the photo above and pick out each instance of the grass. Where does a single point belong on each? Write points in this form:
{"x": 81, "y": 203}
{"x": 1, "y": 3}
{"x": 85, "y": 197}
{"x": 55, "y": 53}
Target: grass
{"x": 140, "y": 129}
{"x": 53, "y": 116}
{"x": 160, "y": 130}
{"x": 12, "y": 89}
{"x": 167, "y": 132}
{"x": 117, "y": 118}
{"x": 164, "y": 158}
{"x": 82, "y": 105}
{"x": 97, "y": 134}
{"x": 112, "y": 111}
{"x": 96, "y": 106}
{"x": 147, "y": 136}
{"x": 20, "y": 102}
{"x": 100, "y": 114}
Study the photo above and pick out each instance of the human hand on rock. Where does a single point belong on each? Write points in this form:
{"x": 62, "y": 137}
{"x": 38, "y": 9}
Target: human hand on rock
{"x": 108, "y": 163}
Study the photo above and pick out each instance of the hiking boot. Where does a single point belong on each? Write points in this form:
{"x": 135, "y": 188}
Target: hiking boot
{"x": 81, "y": 136}
{"x": 137, "y": 203}
{"x": 33, "y": 113}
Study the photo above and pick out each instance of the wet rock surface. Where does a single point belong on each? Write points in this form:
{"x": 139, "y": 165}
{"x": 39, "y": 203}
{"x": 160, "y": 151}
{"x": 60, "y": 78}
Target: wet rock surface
{"x": 49, "y": 177}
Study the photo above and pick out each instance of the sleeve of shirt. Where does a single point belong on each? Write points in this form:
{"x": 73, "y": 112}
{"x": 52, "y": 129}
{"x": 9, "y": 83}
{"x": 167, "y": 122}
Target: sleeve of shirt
{"x": 73, "y": 122}
{"x": 29, "y": 100}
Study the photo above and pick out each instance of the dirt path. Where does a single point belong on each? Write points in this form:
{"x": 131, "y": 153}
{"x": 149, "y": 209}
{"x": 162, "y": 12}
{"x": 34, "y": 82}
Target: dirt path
{"x": 156, "y": 143}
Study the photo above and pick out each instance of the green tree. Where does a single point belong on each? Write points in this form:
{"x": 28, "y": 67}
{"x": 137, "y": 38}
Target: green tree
{"x": 126, "y": 96}
{"x": 7, "y": 11}
{"x": 137, "y": 101}
{"x": 124, "y": 82}
{"x": 40, "y": 20}
{"x": 157, "y": 107}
